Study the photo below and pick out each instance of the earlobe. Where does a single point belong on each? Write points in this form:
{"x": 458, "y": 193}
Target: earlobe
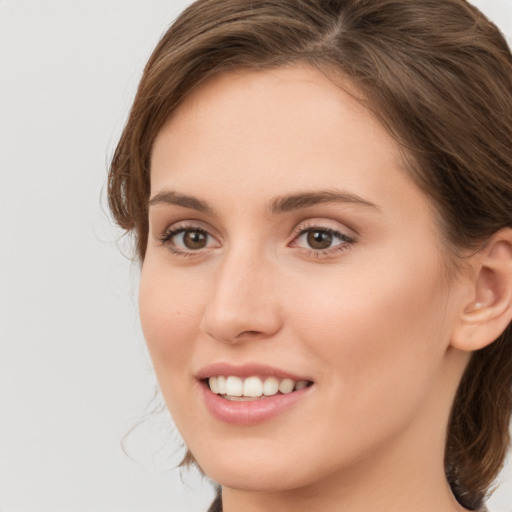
{"x": 489, "y": 311}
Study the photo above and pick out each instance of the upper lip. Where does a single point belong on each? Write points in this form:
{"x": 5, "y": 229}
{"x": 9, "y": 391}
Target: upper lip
{"x": 246, "y": 370}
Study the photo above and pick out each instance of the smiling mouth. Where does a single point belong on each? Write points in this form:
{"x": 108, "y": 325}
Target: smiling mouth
{"x": 253, "y": 388}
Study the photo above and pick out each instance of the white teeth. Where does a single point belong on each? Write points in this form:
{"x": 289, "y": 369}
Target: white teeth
{"x": 213, "y": 382}
{"x": 221, "y": 385}
{"x": 270, "y": 386}
{"x": 286, "y": 386}
{"x": 301, "y": 384}
{"x": 234, "y": 386}
{"x": 253, "y": 387}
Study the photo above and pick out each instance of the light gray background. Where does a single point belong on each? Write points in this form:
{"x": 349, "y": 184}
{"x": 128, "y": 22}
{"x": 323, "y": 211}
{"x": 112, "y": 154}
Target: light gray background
{"x": 74, "y": 373}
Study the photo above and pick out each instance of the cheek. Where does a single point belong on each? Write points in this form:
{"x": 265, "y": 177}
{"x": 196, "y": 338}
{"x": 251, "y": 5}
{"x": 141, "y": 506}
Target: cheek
{"x": 169, "y": 312}
{"x": 380, "y": 335}
{"x": 170, "y": 308}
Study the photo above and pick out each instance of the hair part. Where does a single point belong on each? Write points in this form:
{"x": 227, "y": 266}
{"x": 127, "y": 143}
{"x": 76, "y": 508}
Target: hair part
{"x": 438, "y": 76}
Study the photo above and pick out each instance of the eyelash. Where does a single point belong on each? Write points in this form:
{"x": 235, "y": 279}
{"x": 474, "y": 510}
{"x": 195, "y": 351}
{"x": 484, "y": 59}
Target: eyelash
{"x": 345, "y": 244}
{"x": 166, "y": 239}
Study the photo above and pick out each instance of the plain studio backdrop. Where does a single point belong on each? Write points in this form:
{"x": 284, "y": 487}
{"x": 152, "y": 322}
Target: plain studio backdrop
{"x": 75, "y": 375}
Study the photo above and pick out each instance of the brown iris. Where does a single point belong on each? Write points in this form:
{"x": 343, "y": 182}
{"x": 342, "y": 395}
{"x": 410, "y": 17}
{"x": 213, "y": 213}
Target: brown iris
{"x": 194, "y": 240}
{"x": 319, "y": 239}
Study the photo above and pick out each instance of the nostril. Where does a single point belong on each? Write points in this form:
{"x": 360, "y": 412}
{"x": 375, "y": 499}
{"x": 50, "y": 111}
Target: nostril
{"x": 249, "y": 333}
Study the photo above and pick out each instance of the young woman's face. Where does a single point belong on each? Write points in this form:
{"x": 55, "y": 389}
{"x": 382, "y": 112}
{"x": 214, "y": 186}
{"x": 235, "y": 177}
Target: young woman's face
{"x": 288, "y": 247}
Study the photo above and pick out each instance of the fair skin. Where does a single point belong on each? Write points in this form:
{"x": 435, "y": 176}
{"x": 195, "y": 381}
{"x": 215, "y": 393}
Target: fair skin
{"x": 346, "y": 287}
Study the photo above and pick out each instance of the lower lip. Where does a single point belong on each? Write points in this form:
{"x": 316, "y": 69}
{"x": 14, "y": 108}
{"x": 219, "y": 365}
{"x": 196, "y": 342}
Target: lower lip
{"x": 253, "y": 411}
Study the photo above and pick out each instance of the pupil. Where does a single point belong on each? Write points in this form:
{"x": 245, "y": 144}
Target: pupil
{"x": 319, "y": 239}
{"x": 194, "y": 240}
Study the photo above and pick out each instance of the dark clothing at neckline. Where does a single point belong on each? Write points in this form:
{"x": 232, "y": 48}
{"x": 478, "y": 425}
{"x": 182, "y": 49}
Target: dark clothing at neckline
{"x": 216, "y": 506}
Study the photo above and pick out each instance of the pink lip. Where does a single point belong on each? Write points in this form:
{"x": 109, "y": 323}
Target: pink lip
{"x": 246, "y": 370}
{"x": 249, "y": 412}
{"x": 252, "y": 412}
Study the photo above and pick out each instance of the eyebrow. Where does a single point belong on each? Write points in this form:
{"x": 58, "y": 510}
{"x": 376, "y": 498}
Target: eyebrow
{"x": 303, "y": 200}
{"x": 174, "y": 198}
{"x": 280, "y": 204}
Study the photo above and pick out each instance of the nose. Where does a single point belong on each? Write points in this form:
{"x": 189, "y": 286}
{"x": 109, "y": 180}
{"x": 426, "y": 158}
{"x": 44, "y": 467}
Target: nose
{"x": 244, "y": 303}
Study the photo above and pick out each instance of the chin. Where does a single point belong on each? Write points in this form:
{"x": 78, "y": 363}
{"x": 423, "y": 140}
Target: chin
{"x": 256, "y": 478}
{"x": 256, "y": 465}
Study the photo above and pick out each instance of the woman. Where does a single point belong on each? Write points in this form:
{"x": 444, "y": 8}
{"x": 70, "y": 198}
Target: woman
{"x": 320, "y": 194}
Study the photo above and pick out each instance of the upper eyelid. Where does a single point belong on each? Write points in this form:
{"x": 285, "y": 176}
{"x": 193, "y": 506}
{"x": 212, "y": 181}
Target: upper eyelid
{"x": 336, "y": 232}
{"x": 300, "y": 227}
{"x": 345, "y": 240}
{"x": 165, "y": 239}
{"x": 326, "y": 225}
{"x": 185, "y": 225}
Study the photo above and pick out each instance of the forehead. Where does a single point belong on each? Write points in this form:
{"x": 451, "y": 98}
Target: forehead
{"x": 287, "y": 101}
{"x": 275, "y": 132}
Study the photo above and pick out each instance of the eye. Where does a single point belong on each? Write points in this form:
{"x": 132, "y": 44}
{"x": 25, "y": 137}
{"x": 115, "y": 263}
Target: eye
{"x": 321, "y": 241}
{"x": 189, "y": 239}
{"x": 185, "y": 241}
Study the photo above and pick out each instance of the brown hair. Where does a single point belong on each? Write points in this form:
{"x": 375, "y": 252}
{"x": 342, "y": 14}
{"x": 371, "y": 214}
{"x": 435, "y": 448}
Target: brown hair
{"x": 437, "y": 74}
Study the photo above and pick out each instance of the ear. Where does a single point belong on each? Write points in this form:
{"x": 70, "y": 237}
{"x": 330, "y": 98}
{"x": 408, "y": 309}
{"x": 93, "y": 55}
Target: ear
{"x": 488, "y": 311}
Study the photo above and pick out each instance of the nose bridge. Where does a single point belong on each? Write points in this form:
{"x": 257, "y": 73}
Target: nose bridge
{"x": 243, "y": 302}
